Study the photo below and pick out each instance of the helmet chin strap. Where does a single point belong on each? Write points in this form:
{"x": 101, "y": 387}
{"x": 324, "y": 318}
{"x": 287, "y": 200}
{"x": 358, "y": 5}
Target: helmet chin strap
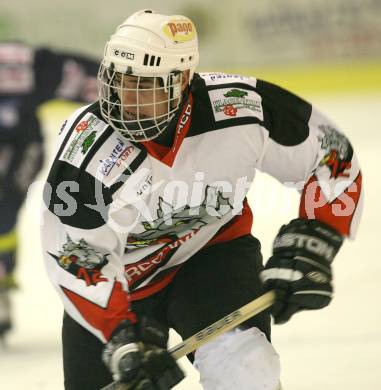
{"x": 175, "y": 87}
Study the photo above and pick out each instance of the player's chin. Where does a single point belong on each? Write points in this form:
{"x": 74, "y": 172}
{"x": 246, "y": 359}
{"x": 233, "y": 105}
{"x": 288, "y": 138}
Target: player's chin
{"x": 141, "y": 124}
{"x": 134, "y": 116}
{"x": 129, "y": 116}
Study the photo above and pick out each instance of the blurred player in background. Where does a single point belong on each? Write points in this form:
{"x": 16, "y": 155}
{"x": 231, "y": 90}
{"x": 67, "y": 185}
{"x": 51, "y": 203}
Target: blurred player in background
{"x": 148, "y": 227}
{"x": 29, "y": 77}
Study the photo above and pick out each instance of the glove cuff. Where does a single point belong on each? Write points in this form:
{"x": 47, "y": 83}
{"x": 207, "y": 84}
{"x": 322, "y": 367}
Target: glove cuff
{"x": 152, "y": 332}
{"x": 117, "y": 356}
{"x": 309, "y": 235}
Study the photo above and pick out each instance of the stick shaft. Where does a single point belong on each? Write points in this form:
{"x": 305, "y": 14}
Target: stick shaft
{"x": 212, "y": 331}
{"x": 223, "y": 325}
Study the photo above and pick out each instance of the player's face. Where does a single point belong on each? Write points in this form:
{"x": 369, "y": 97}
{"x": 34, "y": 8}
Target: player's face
{"x": 140, "y": 108}
{"x": 142, "y": 97}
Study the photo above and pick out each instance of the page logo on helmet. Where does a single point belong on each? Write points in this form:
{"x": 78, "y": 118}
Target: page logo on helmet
{"x": 180, "y": 30}
{"x": 123, "y": 54}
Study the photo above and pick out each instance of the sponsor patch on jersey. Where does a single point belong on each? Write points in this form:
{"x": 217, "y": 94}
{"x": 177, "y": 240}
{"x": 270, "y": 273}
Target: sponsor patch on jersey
{"x": 231, "y": 103}
{"x": 112, "y": 159}
{"x": 83, "y": 137}
{"x": 179, "y": 30}
{"x": 224, "y": 78}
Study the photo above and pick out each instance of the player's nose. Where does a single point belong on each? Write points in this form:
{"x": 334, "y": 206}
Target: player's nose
{"x": 129, "y": 97}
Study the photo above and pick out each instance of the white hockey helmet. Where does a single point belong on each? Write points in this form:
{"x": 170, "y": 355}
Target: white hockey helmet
{"x": 152, "y": 50}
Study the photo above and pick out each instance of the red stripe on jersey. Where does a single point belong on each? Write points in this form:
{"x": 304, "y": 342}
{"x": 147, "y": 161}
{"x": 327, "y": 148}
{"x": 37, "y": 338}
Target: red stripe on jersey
{"x": 165, "y": 154}
{"x": 156, "y": 150}
{"x": 338, "y": 213}
{"x": 146, "y": 291}
{"x": 105, "y": 319}
{"x": 239, "y": 226}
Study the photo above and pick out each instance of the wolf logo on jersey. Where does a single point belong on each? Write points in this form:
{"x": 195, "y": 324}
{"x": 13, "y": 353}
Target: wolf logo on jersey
{"x": 171, "y": 223}
{"x": 339, "y": 151}
{"x": 82, "y": 261}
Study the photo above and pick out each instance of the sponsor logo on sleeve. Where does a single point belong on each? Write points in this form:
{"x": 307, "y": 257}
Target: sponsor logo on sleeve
{"x": 235, "y": 102}
{"x": 82, "y": 139}
{"x": 223, "y": 78}
{"x": 113, "y": 159}
{"x": 117, "y": 157}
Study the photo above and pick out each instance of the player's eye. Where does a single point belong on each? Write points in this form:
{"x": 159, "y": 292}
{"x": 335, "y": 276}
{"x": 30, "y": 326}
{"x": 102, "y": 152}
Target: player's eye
{"x": 117, "y": 81}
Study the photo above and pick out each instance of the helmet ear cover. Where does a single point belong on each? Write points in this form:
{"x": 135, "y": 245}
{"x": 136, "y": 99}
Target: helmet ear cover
{"x": 146, "y": 46}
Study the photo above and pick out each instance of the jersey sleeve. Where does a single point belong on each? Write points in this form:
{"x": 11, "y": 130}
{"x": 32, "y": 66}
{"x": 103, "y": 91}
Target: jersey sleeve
{"x": 82, "y": 250}
{"x": 67, "y": 76}
{"x": 305, "y": 149}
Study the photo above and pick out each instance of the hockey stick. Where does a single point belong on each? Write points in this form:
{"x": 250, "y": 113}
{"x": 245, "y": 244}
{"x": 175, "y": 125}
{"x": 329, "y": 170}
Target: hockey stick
{"x": 212, "y": 331}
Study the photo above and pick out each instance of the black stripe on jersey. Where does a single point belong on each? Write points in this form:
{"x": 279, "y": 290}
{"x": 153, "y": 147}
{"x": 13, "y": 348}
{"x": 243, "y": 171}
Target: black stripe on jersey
{"x": 203, "y": 118}
{"x": 70, "y": 206}
{"x": 77, "y": 198}
{"x": 91, "y": 192}
{"x": 286, "y": 116}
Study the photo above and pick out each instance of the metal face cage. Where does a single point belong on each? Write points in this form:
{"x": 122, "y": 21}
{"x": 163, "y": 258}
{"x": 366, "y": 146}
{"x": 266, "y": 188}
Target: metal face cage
{"x": 139, "y": 108}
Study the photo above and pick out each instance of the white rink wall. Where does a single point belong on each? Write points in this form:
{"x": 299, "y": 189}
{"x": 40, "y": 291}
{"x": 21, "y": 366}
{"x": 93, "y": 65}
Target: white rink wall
{"x": 334, "y": 349}
{"x": 245, "y": 33}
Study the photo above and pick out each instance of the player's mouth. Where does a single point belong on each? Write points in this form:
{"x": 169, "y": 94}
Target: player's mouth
{"x": 133, "y": 116}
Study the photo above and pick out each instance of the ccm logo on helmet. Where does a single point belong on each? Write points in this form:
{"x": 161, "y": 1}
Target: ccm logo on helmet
{"x": 123, "y": 54}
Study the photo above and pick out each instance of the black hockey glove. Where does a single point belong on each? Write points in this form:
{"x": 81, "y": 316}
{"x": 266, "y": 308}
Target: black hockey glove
{"x": 300, "y": 268}
{"x": 137, "y": 355}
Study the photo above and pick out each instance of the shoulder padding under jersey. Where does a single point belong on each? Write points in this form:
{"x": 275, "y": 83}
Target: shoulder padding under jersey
{"x": 91, "y": 164}
{"x": 228, "y": 100}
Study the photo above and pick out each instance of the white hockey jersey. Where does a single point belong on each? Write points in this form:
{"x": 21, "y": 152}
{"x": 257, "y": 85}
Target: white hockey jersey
{"x": 122, "y": 217}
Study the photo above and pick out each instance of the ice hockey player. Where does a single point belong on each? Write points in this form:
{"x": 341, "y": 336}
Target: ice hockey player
{"x": 29, "y": 77}
{"x": 147, "y": 226}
